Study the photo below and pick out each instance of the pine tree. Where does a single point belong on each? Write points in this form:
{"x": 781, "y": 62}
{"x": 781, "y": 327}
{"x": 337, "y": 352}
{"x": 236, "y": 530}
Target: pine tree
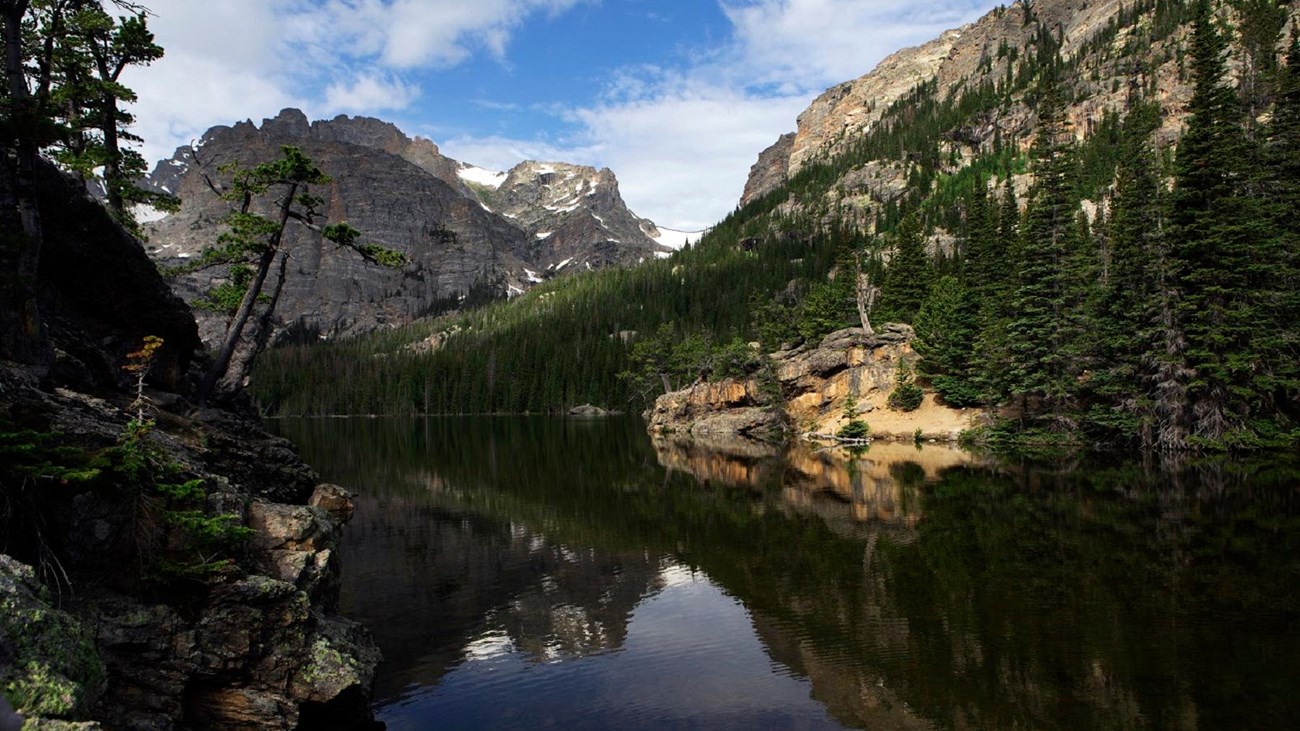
{"x": 1037, "y": 330}
{"x": 1284, "y": 189}
{"x": 945, "y": 331}
{"x": 1215, "y": 225}
{"x": 1125, "y": 308}
{"x": 907, "y": 278}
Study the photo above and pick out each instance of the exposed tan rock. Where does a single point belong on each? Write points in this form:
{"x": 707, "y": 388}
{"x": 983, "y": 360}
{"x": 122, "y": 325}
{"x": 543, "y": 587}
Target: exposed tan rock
{"x": 725, "y": 408}
{"x": 771, "y": 170}
{"x": 816, "y": 383}
{"x": 297, "y": 546}
{"x": 333, "y": 499}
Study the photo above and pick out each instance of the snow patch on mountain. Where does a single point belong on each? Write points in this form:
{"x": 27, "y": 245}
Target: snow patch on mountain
{"x": 677, "y": 239}
{"x": 479, "y": 176}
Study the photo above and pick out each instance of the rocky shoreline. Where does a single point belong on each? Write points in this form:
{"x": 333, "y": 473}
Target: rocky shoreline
{"x": 116, "y": 610}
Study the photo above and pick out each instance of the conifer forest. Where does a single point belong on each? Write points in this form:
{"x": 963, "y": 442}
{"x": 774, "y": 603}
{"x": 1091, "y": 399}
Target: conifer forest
{"x": 1162, "y": 315}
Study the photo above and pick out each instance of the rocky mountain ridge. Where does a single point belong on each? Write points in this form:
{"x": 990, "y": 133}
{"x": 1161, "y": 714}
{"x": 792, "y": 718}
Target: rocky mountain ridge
{"x": 460, "y": 231}
{"x": 1116, "y": 47}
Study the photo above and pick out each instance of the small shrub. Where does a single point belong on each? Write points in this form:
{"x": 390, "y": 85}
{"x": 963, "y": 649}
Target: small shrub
{"x": 856, "y": 429}
{"x": 906, "y": 395}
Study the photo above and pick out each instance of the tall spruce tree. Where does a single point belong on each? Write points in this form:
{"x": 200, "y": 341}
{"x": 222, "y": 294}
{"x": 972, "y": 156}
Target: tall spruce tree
{"x": 1037, "y": 332}
{"x": 1125, "y": 309}
{"x": 907, "y": 278}
{"x": 1284, "y": 190}
{"x": 1216, "y": 228}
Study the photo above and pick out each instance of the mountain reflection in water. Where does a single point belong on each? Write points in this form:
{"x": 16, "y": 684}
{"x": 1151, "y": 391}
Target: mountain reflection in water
{"x": 528, "y": 572}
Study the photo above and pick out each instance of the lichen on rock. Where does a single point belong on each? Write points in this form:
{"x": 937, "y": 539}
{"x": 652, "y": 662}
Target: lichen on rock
{"x": 49, "y": 667}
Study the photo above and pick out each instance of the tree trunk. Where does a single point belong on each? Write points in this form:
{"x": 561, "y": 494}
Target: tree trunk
{"x": 866, "y": 296}
{"x": 241, "y": 364}
{"x": 113, "y": 160}
{"x": 222, "y": 362}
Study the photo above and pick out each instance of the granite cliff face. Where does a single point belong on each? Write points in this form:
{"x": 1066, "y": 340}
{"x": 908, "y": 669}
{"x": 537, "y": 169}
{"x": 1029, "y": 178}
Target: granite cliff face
{"x": 460, "y": 230}
{"x": 1113, "y": 45}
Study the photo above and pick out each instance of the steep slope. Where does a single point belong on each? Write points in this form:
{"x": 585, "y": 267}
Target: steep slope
{"x": 404, "y": 194}
{"x": 1115, "y": 48}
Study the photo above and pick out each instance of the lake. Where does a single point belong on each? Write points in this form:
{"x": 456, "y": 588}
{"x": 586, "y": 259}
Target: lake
{"x": 531, "y": 572}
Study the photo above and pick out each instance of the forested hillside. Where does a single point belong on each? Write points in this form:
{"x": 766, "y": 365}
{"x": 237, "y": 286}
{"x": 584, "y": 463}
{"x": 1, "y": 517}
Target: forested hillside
{"x": 1101, "y": 284}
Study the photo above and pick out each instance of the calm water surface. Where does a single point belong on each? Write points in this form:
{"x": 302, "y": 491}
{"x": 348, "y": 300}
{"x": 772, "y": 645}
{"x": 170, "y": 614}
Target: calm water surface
{"x": 543, "y": 573}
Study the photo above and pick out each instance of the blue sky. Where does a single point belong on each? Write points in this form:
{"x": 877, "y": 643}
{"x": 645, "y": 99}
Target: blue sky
{"x": 678, "y": 97}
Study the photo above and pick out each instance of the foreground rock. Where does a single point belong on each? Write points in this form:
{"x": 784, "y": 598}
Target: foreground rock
{"x": 816, "y": 383}
{"x": 114, "y": 611}
{"x": 727, "y": 408}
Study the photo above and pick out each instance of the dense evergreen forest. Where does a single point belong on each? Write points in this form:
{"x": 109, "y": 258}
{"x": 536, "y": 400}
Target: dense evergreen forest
{"x": 1168, "y": 319}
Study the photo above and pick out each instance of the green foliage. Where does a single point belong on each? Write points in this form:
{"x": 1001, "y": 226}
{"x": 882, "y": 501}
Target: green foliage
{"x": 80, "y": 54}
{"x": 383, "y": 255}
{"x": 225, "y": 297}
{"x": 666, "y": 362}
{"x": 906, "y": 396}
{"x": 907, "y": 279}
{"x": 855, "y": 429}
{"x": 188, "y": 542}
{"x": 945, "y": 328}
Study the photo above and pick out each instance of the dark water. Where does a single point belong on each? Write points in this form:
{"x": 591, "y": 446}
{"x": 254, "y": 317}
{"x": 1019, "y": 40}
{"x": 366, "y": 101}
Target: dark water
{"x": 548, "y": 573}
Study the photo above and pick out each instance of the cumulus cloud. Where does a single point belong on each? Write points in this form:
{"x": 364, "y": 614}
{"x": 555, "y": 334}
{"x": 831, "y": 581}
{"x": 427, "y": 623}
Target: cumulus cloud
{"x": 682, "y": 140}
{"x": 680, "y": 135}
{"x": 233, "y": 59}
{"x": 793, "y": 43}
{"x": 369, "y": 93}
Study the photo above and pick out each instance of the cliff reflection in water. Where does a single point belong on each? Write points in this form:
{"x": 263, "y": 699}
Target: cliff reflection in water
{"x": 912, "y": 589}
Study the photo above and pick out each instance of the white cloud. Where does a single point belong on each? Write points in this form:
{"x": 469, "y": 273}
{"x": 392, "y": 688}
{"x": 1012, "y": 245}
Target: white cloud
{"x": 186, "y": 94}
{"x": 824, "y": 42}
{"x": 681, "y": 141}
{"x": 368, "y": 93}
{"x": 228, "y": 60}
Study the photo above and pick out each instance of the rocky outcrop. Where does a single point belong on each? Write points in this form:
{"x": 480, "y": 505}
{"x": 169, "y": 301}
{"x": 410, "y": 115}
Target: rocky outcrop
{"x": 727, "y": 408}
{"x": 404, "y": 194}
{"x": 771, "y": 171}
{"x": 147, "y": 625}
{"x": 816, "y": 383}
{"x": 48, "y": 663}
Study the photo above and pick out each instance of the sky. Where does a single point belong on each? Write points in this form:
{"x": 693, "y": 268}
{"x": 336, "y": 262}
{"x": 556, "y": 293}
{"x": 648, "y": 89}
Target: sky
{"x": 677, "y": 97}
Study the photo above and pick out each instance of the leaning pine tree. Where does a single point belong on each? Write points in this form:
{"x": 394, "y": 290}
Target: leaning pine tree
{"x": 253, "y": 245}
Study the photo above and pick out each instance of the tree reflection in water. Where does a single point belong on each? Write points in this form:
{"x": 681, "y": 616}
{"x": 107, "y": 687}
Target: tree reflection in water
{"x": 914, "y": 588}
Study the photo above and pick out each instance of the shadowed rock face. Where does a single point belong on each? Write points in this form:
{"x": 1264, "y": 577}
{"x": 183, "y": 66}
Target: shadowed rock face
{"x": 251, "y": 646}
{"x": 404, "y": 194}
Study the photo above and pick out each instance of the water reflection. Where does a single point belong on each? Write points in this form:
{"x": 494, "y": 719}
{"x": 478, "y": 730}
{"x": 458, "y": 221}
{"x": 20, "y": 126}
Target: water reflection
{"x": 898, "y": 588}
